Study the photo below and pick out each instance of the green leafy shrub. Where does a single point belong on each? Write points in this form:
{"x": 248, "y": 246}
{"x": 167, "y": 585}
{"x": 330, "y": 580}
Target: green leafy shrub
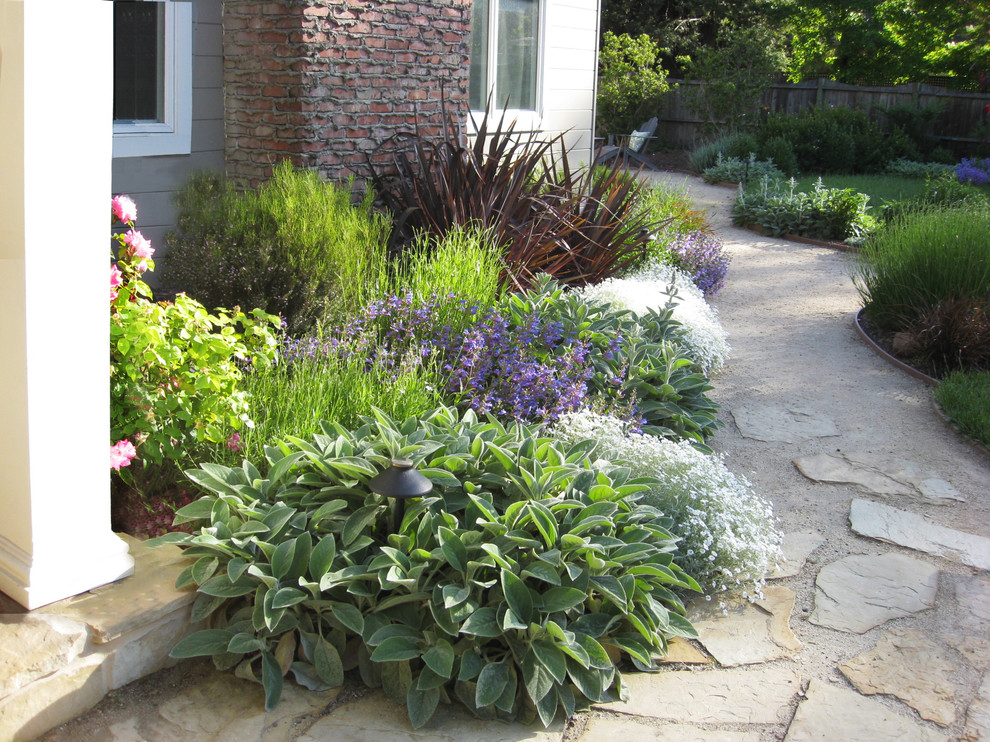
{"x": 579, "y": 226}
{"x": 728, "y": 537}
{"x": 295, "y": 247}
{"x": 824, "y": 213}
{"x": 942, "y": 190}
{"x": 923, "y": 259}
{"x": 736, "y": 170}
{"x": 175, "y": 369}
{"x": 781, "y": 153}
{"x": 835, "y": 140}
{"x": 507, "y": 589}
{"x": 630, "y": 82}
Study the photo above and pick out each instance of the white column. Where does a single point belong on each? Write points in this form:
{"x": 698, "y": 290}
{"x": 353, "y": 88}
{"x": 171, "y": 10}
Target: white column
{"x": 56, "y": 93}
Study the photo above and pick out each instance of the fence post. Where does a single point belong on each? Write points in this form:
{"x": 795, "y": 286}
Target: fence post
{"x": 820, "y": 93}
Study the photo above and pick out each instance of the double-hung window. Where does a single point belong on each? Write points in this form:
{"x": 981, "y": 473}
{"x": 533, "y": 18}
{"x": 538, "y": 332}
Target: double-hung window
{"x": 152, "y": 77}
{"x": 505, "y": 55}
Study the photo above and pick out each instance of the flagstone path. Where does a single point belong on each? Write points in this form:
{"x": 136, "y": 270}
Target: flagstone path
{"x": 875, "y": 627}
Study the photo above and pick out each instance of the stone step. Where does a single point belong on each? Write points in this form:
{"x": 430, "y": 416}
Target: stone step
{"x": 59, "y": 661}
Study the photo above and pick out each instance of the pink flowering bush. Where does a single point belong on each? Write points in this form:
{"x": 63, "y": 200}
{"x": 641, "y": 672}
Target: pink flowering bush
{"x": 175, "y": 368}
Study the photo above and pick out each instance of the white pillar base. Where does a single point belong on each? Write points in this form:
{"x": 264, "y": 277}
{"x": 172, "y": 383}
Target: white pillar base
{"x": 34, "y": 580}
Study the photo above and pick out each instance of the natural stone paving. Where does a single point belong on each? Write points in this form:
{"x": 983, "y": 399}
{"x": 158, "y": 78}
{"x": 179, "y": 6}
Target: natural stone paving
{"x": 908, "y": 529}
{"x": 878, "y": 475}
{"x": 978, "y": 715}
{"x": 796, "y": 548}
{"x": 830, "y": 714}
{"x": 785, "y": 425}
{"x": 859, "y": 592}
{"x": 748, "y": 633}
{"x": 633, "y": 729}
{"x": 734, "y": 696}
{"x": 970, "y": 633}
{"x": 895, "y": 665}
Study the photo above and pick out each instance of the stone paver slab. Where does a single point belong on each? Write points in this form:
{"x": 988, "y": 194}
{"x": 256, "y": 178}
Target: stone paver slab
{"x": 684, "y": 652}
{"x": 796, "y": 548}
{"x": 633, "y": 730}
{"x": 377, "y": 719}
{"x": 228, "y": 709}
{"x": 904, "y": 528}
{"x": 751, "y": 633}
{"x": 858, "y": 592}
{"x": 783, "y": 424}
{"x": 878, "y": 475}
{"x": 830, "y": 713}
{"x": 968, "y": 629}
{"x": 894, "y": 667}
{"x": 736, "y": 696}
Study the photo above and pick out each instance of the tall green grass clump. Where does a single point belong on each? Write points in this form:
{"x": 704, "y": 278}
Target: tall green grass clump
{"x": 296, "y": 246}
{"x": 923, "y": 260}
{"x": 292, "y": 397}
{"x": 965, "y": 398}
{"x": 464, "y": 264}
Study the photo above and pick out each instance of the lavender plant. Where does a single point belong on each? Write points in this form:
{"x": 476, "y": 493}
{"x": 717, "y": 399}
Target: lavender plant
{"x": 973, "y": 171}
{"x": 702, "y": 256}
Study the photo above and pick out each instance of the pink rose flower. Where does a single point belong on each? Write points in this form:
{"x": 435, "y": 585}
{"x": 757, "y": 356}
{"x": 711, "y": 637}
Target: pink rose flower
{"x": 116, "y": 278}
{"x": 124, "y": 209}
{"x": 121, "y": 454}
{"x": 138, "y": 246}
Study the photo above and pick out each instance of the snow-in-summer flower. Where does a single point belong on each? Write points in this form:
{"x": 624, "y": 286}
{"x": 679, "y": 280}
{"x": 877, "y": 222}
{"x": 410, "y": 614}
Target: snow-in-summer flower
{"x": 729, "y": 539}
{"x": 703, "y": 336}
{"x": 124, "y": 209}
{"x": 116, "y": 278}
{"x": 121, "y": 454}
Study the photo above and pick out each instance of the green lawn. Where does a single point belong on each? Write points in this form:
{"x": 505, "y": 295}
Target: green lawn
{"x": 965, "y": 398}
{"x": 880, "y": 188}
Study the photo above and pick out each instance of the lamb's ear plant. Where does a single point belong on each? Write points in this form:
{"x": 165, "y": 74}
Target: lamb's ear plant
{"x": 515, "y": 587}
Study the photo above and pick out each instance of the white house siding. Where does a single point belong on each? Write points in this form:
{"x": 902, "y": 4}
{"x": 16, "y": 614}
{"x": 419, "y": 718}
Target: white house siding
{"x": 570, "y": 69}
{"x": 152, "y": 181}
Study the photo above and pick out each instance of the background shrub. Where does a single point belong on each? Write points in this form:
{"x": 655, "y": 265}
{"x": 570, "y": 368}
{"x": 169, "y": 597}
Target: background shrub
{"x": 630, "y": 82}
{"x": 294, "y": 247}
{"x": 781, "y": 152}
{"x": 732, "y": 144}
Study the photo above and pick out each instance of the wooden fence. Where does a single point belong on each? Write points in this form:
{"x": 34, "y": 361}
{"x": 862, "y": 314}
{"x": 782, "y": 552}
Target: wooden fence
{"x": 962, "y": 111}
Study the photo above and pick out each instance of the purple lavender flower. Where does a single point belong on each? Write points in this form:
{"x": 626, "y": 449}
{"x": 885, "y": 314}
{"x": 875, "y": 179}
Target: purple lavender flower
{"x": 973, "y": 171}
{"x": 702, "y": 257}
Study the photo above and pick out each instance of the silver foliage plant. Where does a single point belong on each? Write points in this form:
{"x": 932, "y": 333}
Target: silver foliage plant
{"x": 729, "y": 539}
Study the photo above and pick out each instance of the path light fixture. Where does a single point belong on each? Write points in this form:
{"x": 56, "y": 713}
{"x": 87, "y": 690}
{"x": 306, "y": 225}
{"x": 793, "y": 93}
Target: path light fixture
{"x": 400, "y": 482}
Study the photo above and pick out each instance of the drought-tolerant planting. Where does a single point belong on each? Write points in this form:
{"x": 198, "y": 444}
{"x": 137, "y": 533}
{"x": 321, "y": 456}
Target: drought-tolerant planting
{"x": 471, "y": 339}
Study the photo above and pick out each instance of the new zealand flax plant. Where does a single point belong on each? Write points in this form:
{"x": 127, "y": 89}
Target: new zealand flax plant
{"x": 579, "y": 225}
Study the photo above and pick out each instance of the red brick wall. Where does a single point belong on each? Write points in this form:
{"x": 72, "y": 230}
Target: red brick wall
{"x": 324, "y": 82}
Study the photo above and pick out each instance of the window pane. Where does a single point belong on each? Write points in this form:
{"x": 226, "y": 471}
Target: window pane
{"x": 138, "y": 61}
{"x": 478, "y": 80}
{"x": 518, "y": 46}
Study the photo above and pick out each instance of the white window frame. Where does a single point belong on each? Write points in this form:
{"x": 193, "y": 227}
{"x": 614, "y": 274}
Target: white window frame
{"x": 524, "y": 119}
{"x": 172, "y": 135}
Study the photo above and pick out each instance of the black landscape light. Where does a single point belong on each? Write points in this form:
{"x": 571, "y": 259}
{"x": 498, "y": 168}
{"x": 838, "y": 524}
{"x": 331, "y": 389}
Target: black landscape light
{"x": 400, "y": 482}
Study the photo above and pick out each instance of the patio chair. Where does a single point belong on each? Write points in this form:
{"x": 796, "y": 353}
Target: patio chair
{"x": 630, "y": 148}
